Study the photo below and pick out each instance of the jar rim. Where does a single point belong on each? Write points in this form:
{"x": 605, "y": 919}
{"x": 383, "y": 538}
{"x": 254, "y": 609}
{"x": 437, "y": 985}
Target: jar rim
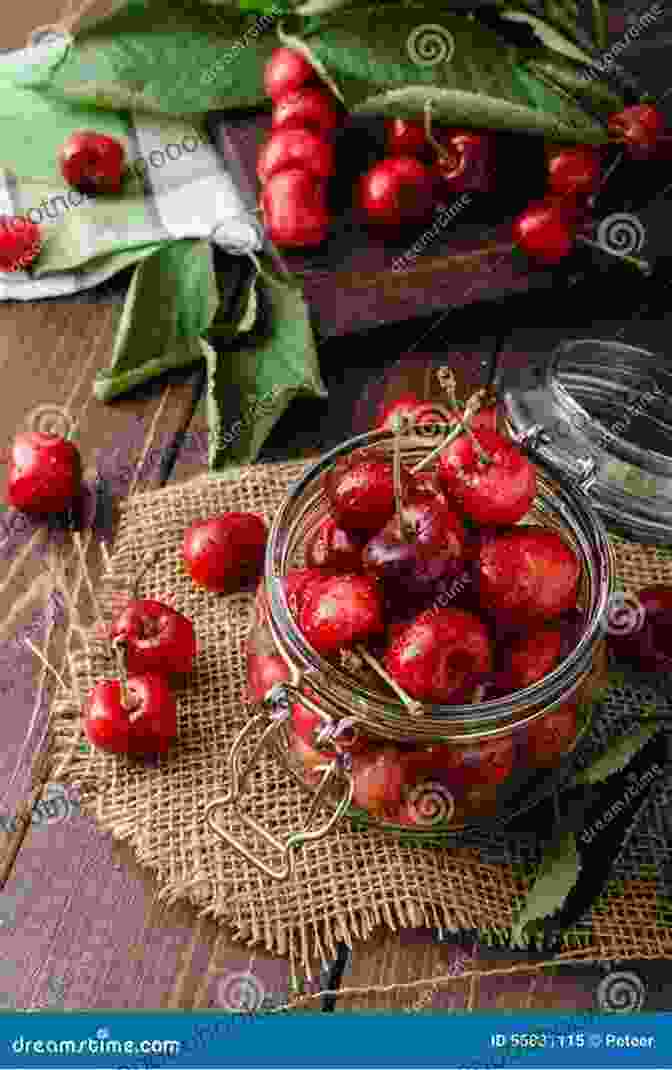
{"x": 577, "y": 513}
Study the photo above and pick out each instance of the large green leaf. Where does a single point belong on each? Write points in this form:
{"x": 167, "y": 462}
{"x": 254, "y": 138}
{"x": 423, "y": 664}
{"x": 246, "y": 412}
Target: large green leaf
{"x": 253, "y": 382}
{"x": 382, "y": 67}
{"x": 618, "y": 754}
{"x": 171, "y": 301}
{"x": 556, "y": 876}
{"x": 174, "y": 57}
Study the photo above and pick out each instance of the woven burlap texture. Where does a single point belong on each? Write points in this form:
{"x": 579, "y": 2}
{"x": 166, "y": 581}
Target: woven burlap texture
{"x": 344, "y": 886}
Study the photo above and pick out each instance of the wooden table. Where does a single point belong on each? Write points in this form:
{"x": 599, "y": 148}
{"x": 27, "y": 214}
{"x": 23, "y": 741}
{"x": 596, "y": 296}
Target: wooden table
{"x": 82, "y": 924}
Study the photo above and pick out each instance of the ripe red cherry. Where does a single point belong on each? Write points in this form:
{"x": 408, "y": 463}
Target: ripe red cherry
{"x": 393, "y": 414}
{"x": 467, "y": 163}
{"x": 360, "y": 489}
{"x": 312, "y": 109}
{"x": 574, "y": 171}
{"x": 289, "y": 149}
{"x": 285, "y": 72}
{"x": 340, "y": 610}
{"x": 406, "y": 137}
{"x": 378, "y": 779}
{"x": 461, "y": 768}
{"x": 263, "y": 672}
{"x": 551, "y": 736}
{"x": 146, "y": 726}
{"x": 529, "y": 658}
{"x": 45, "y": 473}
{"x": 297, "y": 583}
{"x": 648, "y": 647}
{"x": 295, "y": 211}
{"x": 333, "y": 548}
{"x": 397, "y": 192}
{"x": 20, "y": 243}
{"x": 157, "y": 638}
{"x": 526, "y": 575}
{"x": 225, "y": 553}
{"x": 440, "y": 656}
{"x": 544, "y": 232}
{"x": 496, "y": 493}
{"x": 92, "y": 163}
{"x": 640, "y": 128}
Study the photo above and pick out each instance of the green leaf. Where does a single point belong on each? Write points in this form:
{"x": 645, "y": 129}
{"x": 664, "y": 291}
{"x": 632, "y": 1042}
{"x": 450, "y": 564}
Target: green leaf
{"x": 252, "y": 383}
{"x": 382, "y": 67}
{"x": 171, "y": 301}
{"x": 547, "y": 34}
{"x": 617, "y": 755}
{"x": 557, "y": 875}
{"x": 171, "y": 57}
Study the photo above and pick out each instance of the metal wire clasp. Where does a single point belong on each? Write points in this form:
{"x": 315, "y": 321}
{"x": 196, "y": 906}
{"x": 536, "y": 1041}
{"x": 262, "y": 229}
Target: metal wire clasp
{"x": 276, "y": 711}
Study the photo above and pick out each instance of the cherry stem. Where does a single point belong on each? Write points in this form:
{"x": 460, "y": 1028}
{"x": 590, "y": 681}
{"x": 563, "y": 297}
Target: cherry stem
{"x": 615, "y": 164}
{"x": 636, "y": 261}
{"x": 414, "y": 707}
{"x": 447, "y": 382}
{"x": 119, "y": 648}
{"x": 436, "y": 145}
{"x": 396, "y": 476}
{"x": 473, "y": 406}
{"x": 47, "y": 664}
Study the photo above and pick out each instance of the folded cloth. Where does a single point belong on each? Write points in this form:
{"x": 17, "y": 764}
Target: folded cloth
{"x": 177, "y": 186}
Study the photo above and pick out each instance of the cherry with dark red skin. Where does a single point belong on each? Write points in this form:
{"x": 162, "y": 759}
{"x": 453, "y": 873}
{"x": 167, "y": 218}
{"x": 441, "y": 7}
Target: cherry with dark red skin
{"x": 45, "y": 474}
{"x": 264, "y": 671}
{"x": 544, "y": 232}
{"x": 574, "y": 171}
{"x": 528, "y": 659}
{"x": 295, "y": 209}
{"x": 410, "y": 565}
{"x": 441, "y": 656}
{"x": 340, "y": 610}
{"x": 378, "y": 781}
{"x": 297, "y": 583}
{"x": 307, "y": 108}
{"x": 296, "y": 148}
{"x": 156, "y": 637}
{"x": 649, "y": 647}
{"x": 332, "y": 547}
{"x": 467, "y": 162}
{"x": 395, "y": 414}
{"x": 360, "y": 489}
{"x": 550, "y": 737}
{"x": 406, "y": 137}
{"x": 526, "y": 576}
{"x": 145, "y": 727}
{"x": 496, "y": 493}
{"x": 397, "y": 192}
{"x": 285, "y": 72}
{"x": 92, "y": 163}
{"x": 225, "y": 553}
{"x": 640, "y": 128}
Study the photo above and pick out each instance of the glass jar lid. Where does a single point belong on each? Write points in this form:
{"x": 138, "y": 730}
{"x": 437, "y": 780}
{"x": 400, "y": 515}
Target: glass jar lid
{"x": 600, "y": 412}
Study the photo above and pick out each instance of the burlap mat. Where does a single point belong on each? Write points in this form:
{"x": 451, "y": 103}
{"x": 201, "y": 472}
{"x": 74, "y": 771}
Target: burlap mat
{"x": 348, "y": 884}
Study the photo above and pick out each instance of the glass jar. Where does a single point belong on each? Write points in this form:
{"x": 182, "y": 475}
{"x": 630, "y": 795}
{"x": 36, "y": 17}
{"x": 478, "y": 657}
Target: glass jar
{"x": 463, "y": 765}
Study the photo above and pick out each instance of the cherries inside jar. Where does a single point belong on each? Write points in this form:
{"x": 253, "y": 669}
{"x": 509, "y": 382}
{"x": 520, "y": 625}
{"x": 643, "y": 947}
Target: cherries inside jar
{"x": 436, "y": 768}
